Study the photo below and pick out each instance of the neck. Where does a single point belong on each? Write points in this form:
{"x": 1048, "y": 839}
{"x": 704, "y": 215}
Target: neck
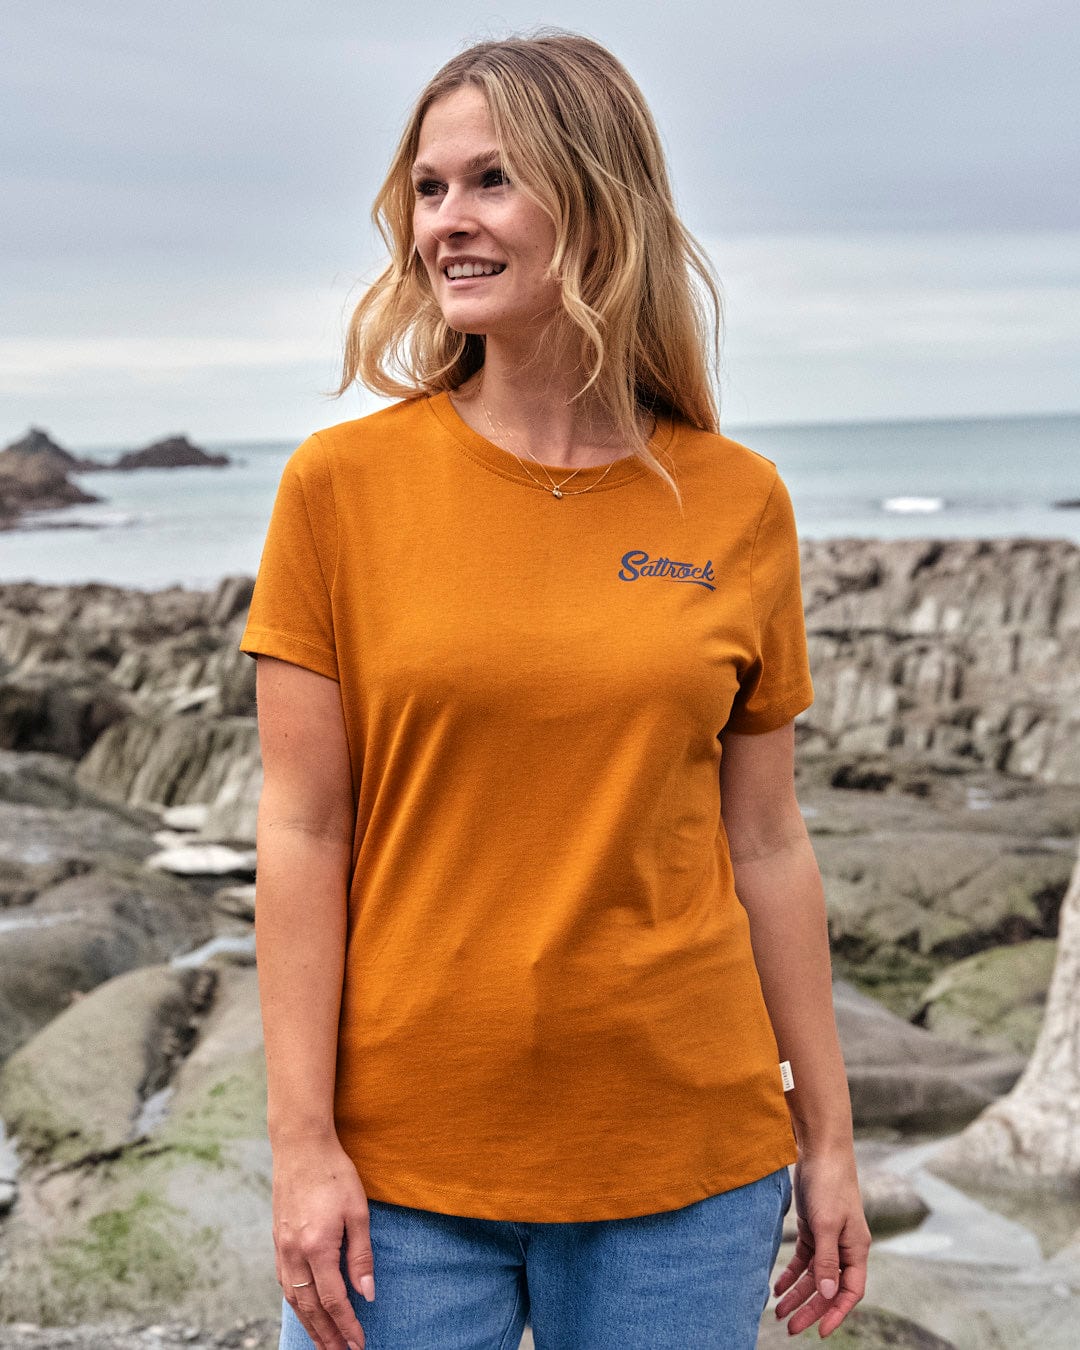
{"x": 527, "y": 406}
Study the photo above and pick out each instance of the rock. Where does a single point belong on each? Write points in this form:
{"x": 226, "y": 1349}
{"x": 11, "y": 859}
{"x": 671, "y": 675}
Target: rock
{"x": 123, "y": 1334}
{"x": 946, "y": 893}
{"x": 83, "y": 931}
{"x": 75, "y": 1089}
{"x": 238, "y": 901}
{"x": 62, "y": 710}
{"x": 961, "y": 652}
{"x": 203, "y": 860}
{"x": 173, "y": 452}
{"x": 864, "y": 1328}
{"x": 908, "y": 1078}
{"x": 1028, "y": 1138}
{"x": 891, "y": 1204}
{"x": 210, "y": 762}
{"x": 179, "y": 1219}
{"x": 34, "y": 482}
{"x": 230, "y": 600}
{"x": 160, "y": 671}
{"x": 38, "y": 443}
{"x": 232, "y": 949}
{"x": 973, "y": 1307}
{"x": 995, "y": 999}
{"x": 34, "y": 477}
{"x": 47, "y": 780}
{"x": 9, "y": 1172}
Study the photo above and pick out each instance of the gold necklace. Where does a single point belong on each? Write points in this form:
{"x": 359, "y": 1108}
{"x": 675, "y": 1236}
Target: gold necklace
{"x": 556, "y": 489}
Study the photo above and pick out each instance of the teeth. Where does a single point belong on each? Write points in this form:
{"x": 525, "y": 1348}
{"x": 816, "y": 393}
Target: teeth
{"x": 474, "y": 270}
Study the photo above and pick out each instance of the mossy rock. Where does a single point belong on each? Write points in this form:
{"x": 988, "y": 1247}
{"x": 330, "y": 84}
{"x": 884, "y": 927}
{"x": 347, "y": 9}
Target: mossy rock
{"x": 995, "y": 998}
{"x": 138, "y": 1247}
{"x": 140, "y": 1234}
{"x": 75, "y": 1087}
{"x": 178, "y": 1218}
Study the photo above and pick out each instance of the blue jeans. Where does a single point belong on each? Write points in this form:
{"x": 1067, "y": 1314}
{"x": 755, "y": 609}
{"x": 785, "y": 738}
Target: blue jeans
{"x": 695, "y": 1278}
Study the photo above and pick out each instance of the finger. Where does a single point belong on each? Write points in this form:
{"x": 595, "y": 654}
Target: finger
{"x": 796, "y": 1295}
{"x": 296, "y": 1296}
{"x": 359, "y": 1260}
{"x": 303, "y": 1316}
{"x": 316, "y": 1323}
{"x": 852, "y": 1288}
{"x": 335, "y": 1305}
{"x": 799, "y": 1261}
{"x": 808, "y": 1314}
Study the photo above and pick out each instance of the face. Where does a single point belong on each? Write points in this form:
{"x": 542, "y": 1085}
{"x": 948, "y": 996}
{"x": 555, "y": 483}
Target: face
{"x": 468, "y": 217}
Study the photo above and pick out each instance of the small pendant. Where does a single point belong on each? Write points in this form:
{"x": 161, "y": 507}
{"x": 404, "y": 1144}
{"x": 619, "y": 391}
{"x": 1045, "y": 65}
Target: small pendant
{"x": 555, "y": 492}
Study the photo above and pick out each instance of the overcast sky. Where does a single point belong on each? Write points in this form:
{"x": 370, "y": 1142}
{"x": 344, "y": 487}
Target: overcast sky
{"x": 889, "y": 192}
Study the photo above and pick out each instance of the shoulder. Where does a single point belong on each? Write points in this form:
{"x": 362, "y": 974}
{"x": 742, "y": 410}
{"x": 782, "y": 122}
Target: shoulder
{"x": 725, "y": 467}
{"x": 368, "y": 435}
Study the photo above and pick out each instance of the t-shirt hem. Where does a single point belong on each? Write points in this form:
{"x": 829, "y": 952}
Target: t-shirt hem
{"x": 286, "y": 647}
{"x": 520, "y": 1208}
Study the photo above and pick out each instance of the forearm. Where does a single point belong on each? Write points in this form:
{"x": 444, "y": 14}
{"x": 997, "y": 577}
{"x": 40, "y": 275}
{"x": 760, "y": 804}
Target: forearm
{"x": 781, "y": 890}
{"x": 300, "y": 927}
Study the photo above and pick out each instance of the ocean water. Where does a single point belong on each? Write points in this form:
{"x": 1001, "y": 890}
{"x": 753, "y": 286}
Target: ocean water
{"x": 972, "y": 478}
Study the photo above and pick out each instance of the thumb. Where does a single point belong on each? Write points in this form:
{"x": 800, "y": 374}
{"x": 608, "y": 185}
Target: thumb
{"x": 358, "y": 1258}
{"x": 826, "y": 1264}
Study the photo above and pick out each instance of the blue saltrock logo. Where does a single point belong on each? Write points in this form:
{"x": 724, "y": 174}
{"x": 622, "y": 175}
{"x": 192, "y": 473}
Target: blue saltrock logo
{"x": 637, "y": 563}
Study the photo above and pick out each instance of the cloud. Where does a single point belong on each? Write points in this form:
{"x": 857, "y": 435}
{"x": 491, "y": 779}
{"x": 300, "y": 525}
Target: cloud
{"x": 188, "y": 187}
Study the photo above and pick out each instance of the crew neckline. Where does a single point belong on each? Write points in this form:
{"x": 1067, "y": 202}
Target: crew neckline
{"x": 586, "y": 481}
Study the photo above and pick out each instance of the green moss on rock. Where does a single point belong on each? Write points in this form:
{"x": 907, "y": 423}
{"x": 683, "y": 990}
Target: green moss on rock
{"x": 128, "y": 1258}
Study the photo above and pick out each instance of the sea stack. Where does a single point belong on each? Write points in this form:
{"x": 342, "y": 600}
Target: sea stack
{"x": 34, "y": 477}
{"x": 174, "y": 452}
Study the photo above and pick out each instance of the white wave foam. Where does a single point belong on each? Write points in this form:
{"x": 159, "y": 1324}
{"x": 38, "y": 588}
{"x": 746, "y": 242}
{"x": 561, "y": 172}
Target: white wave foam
{"x": 913, "y": 505}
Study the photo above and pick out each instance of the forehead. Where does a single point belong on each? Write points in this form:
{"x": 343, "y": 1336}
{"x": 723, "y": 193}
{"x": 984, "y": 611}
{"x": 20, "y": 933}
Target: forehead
{"x": 457, "y": 124}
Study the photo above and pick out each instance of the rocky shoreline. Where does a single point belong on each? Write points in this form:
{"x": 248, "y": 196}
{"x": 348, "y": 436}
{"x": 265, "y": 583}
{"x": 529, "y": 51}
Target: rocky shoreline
{"x": 939, "y": 771}
{"x": 34, "y": 472}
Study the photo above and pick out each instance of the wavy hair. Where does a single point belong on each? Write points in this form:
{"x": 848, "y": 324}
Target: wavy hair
{"x": 644, "y": 306}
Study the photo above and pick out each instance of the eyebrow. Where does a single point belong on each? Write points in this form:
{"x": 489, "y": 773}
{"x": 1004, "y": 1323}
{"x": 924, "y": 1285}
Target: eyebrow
{"x": 473, "y": 165}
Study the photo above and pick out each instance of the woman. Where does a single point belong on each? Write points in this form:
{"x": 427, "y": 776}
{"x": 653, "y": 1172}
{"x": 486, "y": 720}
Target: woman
{"x": 538, "y": 918}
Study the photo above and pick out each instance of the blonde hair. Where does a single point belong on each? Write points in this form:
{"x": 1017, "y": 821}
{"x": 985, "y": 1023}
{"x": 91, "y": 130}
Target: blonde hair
{"x": 576, "y": 134}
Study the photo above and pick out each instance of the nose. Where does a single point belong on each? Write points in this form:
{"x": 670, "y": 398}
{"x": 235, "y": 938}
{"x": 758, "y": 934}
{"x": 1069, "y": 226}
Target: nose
{"x": 454, "y": 217}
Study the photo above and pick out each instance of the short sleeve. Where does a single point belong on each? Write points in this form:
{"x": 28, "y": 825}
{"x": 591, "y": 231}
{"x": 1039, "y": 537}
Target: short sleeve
{"x": 776, "y": 684}
{"x": 291, "y": 612}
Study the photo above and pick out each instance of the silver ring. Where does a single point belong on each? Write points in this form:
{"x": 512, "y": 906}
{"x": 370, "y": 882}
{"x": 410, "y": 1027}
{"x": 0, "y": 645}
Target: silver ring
{"x": 302, "y": 1285}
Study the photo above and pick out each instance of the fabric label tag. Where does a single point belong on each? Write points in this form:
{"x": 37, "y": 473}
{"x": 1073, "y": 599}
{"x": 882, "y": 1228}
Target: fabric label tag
{"x": 786, "y": 1076}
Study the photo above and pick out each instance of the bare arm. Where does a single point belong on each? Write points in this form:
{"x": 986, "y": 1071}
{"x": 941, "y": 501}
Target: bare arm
{"x": 304, "y": 843}
{"x": 778, "y": 882}
{"x": 304, "y": 847}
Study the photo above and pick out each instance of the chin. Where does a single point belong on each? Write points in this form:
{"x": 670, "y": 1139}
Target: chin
{"x": 464, "y": 319}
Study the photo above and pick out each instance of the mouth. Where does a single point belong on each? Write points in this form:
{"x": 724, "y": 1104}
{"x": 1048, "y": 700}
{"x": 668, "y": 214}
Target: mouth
{"x": 472, "y": 271}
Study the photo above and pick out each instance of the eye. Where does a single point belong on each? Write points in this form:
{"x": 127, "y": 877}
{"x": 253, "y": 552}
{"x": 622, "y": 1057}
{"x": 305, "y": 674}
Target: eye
{"x": 427, "y": 187}
{"x": 494, "y": 178}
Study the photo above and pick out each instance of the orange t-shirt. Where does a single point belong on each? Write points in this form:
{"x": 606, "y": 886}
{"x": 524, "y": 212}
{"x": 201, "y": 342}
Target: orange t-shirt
{"x": 550, "y": 1010}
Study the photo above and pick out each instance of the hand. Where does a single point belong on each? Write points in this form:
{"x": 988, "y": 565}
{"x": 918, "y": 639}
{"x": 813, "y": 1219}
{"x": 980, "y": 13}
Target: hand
{"x": 826, "y": 1277}
{"x": 317, "y": 1200}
